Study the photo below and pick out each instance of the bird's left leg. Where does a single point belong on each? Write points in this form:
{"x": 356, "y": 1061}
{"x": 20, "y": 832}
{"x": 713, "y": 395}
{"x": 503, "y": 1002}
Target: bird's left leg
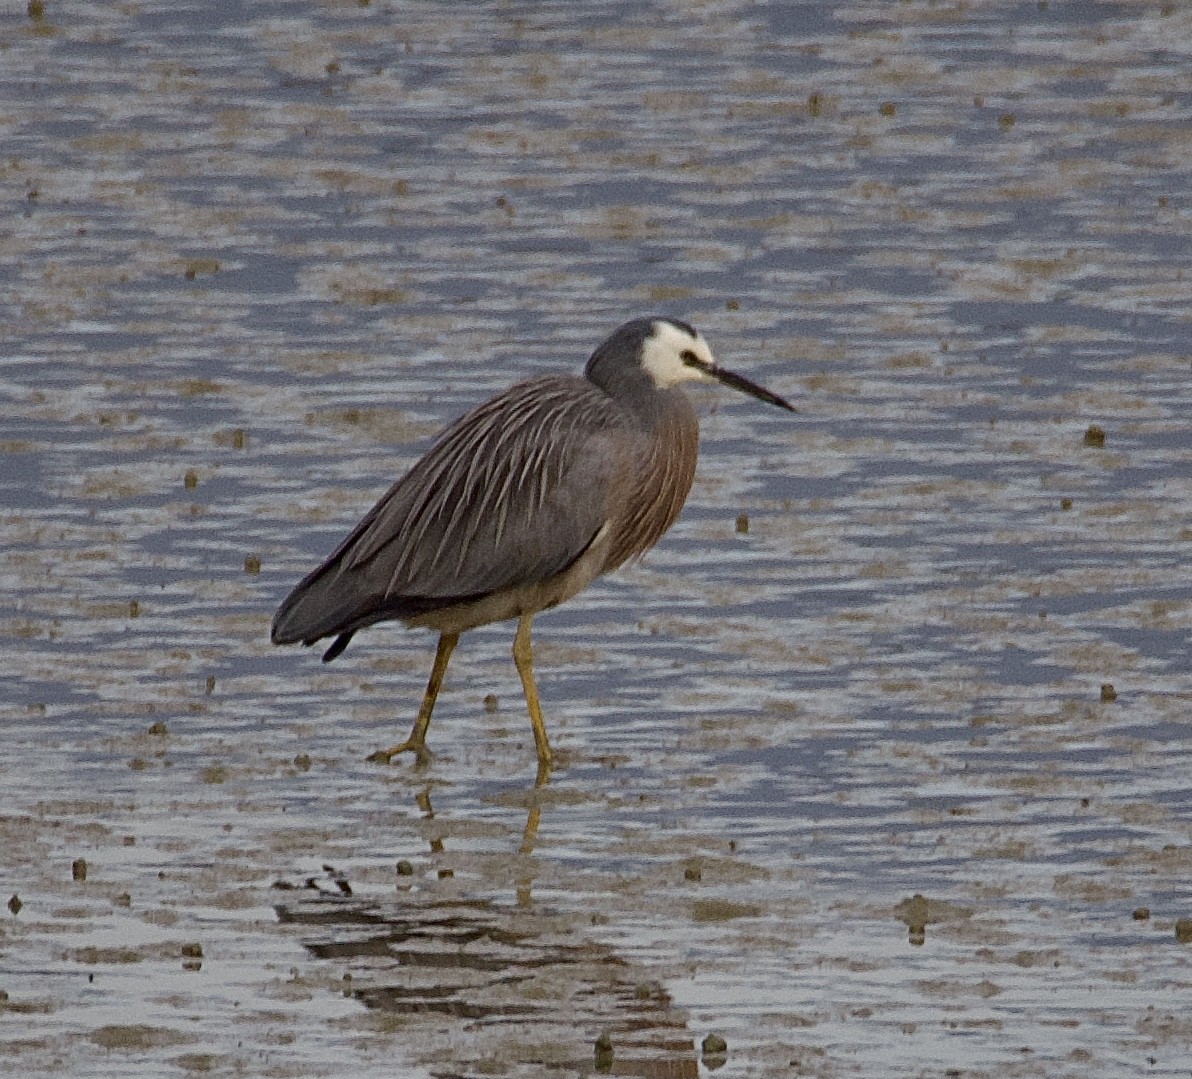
{"x": 416, "y": 743}
{"x": 523, "y": 657}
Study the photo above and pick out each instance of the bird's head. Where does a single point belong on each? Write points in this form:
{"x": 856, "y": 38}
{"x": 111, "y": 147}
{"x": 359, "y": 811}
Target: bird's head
{"x": 670, "y": 352}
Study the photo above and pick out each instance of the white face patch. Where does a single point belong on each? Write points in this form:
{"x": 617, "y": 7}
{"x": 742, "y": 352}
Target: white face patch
{"x": 662, "y": 356}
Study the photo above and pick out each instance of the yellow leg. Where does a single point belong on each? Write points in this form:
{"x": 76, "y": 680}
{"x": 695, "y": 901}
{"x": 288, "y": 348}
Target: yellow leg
{"x": 416, "y": 743}
{"x": 523, "y": 656}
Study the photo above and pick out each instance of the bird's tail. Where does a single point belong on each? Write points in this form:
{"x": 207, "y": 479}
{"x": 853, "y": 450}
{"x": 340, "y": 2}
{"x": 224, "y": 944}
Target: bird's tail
{"x": 326, "y": 602}
{"x": 333, "y": 601}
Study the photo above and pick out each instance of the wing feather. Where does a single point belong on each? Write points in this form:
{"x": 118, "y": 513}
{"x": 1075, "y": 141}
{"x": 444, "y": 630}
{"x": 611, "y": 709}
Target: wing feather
{"x": 511, "y": 493}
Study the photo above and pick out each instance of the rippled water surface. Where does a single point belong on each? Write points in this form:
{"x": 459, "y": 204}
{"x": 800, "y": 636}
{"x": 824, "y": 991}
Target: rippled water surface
{"x": 877, "y": 765}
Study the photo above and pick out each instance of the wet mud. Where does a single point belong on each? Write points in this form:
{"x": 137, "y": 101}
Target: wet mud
{"x": 877, "y": 765}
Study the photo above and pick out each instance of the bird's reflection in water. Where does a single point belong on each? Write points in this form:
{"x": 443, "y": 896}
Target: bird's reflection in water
{"x": 533, "y": 800}
{"x": 479, "y": 982}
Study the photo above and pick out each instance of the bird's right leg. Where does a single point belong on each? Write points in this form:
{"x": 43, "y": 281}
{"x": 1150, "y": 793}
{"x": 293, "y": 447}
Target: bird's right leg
{"x": 523, "y": 658}
{"x": 416, "y": 743}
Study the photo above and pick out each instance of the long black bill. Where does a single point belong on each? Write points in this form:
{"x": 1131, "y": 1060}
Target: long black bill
{"x": 740, "y": 382}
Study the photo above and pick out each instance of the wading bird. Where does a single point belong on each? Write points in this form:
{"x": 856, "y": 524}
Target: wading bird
{"x": 519, "y": 505}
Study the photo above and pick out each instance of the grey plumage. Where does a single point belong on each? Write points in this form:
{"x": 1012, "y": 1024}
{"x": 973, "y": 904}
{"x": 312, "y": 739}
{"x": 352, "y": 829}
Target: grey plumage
{"x": 523, "y": 501}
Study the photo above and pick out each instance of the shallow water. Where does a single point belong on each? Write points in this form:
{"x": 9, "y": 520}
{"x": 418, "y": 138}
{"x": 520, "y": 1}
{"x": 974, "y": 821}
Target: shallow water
{"x": 256, "y": 254}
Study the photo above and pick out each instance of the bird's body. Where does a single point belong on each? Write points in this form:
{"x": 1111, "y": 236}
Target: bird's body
{"x": 480, "y": 519}
{"x": 519, "y": 505}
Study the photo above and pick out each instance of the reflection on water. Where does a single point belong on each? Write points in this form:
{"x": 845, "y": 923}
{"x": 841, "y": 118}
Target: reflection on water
{"x": 531, "y": 987}
{"x": 842, "y": 787}
{"x": 535, "y": 985}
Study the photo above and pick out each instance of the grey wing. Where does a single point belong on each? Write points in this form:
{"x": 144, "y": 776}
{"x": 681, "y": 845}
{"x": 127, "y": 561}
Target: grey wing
{"x": 511, "y": 493}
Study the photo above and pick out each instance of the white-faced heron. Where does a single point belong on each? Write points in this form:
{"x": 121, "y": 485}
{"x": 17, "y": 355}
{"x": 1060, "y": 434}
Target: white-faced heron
{"x": 519, "y": 505}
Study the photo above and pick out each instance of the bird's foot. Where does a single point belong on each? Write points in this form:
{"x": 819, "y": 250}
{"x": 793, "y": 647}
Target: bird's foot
{"x": 385, "y": 756}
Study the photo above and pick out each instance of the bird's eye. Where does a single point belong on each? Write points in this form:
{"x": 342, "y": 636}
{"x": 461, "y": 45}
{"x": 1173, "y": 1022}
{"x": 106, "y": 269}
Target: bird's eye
{"x": 690, "y": 358}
